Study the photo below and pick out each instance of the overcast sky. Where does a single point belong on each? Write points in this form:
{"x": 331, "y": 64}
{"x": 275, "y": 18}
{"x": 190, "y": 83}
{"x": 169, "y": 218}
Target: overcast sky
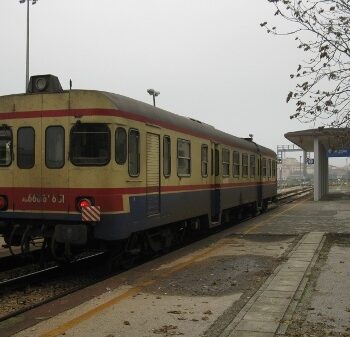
{"x": 210, "y": 60}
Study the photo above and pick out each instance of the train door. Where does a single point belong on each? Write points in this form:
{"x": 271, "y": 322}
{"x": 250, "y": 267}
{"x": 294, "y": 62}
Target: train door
{"x": 215, "y": 191}
{"x": 152, "y": 174}
{"x": 54, "y": 179}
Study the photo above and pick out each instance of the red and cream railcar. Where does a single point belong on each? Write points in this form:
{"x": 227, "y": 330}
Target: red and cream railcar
{"x": 83, "y": 168}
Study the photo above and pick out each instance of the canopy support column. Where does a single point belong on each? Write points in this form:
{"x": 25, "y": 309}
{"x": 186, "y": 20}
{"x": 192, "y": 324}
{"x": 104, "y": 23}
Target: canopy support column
{"x": 321, "y": 170}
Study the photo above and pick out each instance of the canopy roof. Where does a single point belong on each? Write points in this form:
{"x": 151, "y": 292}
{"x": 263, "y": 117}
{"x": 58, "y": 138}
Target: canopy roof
{"x": 330, "y": 138}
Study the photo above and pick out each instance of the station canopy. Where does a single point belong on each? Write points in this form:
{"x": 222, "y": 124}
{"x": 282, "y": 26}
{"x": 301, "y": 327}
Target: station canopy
{"x": 335, "y": 141}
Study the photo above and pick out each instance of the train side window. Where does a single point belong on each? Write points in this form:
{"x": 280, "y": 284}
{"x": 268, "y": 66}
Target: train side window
{"x": 183, "y": 158}
{"x": 270, "y": 168}
{"x": 5, "y": 146}
{"x": 236, "y": 164}
{"x": 25, "y": 147}
{"x": 204, "y": 160}
{"x": 263, "y": 166}
{"x": 252, "y": 166}
{"x": 274, "y": 168}
{"x": 166, "y": 156}
{"x": 134, "y": 153}
{"x": 244, "y": 165}
{"x": 225, "y": 162}
{"x": 212, "y": 162}
{"x": 217, "y": 162}
{"x": 54, "y": 147}
{"x": 90, "y": 144}
{"x": 120, "y": 146}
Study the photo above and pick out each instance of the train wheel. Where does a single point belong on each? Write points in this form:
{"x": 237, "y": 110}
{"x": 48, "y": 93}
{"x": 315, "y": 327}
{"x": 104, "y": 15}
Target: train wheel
{"x": 60, "y": 251}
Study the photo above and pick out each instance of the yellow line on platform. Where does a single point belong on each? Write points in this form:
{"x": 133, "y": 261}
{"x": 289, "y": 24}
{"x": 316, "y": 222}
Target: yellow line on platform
{"x": 129, "y": 293}
{"x": 85, "y": 316}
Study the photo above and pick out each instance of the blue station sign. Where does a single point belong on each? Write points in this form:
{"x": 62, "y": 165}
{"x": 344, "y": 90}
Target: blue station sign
{"x": 338, "y": 153}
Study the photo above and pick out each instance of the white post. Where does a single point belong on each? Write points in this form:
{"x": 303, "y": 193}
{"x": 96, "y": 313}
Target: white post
{"x": 317, "y": 169}
{"x": 27, "y": 51}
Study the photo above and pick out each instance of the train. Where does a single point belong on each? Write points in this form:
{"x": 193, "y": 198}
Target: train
{"x": 87, "y": 169}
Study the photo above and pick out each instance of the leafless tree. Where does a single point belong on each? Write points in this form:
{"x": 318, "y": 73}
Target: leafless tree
{"x": 322, "y": 31}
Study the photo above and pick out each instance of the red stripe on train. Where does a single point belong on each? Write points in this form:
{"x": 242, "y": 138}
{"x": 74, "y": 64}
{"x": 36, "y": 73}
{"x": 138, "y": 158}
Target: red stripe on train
{"x": 64, "y": 199}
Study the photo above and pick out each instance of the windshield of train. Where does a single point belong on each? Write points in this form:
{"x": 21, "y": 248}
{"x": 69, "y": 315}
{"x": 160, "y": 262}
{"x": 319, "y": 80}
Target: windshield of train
{"x": 5, "y": 146}
{"x": 90, "y": 144}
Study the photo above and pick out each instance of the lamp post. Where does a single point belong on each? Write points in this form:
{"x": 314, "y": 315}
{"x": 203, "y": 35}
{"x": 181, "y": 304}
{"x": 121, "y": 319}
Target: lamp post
{"x": 27, "y": 52}
{"x": 153, "y": 93}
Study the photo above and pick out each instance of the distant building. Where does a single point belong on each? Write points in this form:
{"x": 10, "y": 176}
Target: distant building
{"x": 291, "y": 169}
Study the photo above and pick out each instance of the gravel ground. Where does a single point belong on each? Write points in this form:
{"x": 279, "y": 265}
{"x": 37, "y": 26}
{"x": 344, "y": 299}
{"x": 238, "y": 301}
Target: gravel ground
{"x": 12, "y": 300}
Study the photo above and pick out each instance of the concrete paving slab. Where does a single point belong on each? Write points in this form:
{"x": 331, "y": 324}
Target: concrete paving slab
{"x": 264, "y": 307}
{"x": 258, "y": 326}
{"x": 273, "y": 301}
{"x": 287, "y": 279}
{"x": 251, "y": 334}
{"x": 277, "y": 294}
{"x": 282, "y": 288}
{"x": 255, "y": 314}
{"x": 294, "y": 263}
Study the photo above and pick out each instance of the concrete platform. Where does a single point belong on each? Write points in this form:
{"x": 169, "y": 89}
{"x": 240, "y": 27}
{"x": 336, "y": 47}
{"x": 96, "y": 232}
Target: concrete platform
{"x": 270, "y": 276}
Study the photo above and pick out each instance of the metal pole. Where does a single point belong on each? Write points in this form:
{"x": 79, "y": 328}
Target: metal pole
{"x": 154, "y": 100}
{"x": 27, "y": 53}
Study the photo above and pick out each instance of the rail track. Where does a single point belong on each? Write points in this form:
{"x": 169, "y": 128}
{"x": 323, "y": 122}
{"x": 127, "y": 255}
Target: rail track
{"x": 54, "y": 273}
{"x": 22, "y": 286}
{"x": 291, "y": 194}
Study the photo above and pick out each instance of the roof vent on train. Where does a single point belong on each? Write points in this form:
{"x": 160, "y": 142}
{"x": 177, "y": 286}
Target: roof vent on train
{"x": 44, "y": 83}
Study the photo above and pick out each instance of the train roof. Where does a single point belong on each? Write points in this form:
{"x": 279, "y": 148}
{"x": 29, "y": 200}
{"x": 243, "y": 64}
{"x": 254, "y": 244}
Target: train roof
{"x": 168, "y": 119}
{"x": 148, "y": 113}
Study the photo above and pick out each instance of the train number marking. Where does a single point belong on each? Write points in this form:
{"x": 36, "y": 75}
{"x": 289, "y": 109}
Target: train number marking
{"x": 43, "y": 199}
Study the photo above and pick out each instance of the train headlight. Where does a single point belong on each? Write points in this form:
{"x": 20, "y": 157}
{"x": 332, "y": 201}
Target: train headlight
{"x": 3, "y": 203}
{"x": 83, "y": 202}
{"x": 41, "y": 83}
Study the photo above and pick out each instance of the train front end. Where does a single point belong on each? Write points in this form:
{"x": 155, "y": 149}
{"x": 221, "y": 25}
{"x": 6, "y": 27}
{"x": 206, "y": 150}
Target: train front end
{"x": 54, "y": 155}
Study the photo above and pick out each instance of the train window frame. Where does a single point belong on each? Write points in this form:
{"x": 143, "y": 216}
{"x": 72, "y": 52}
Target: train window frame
{"x": 269, "y": 170}
{"x": 204, "y": 160}
{"x": 263, "y": 167}
{"x": 186, "y": 158}
{"x": 6, "y": 144}
{"x": 225, "y": 158}
{"x": 137, "y": 133}
{"x": 91, "y": 163}
{"x": 245, "y": 165}
{"x": 121, "y": 160}
{"x": 19, "y": 155}
{"x": 49, "y": 150}
{"x": 212, "y": 162}
{"x": 236, "y": 165}
{"x": 252, "y": 165}
{"x": 166, "y": 156}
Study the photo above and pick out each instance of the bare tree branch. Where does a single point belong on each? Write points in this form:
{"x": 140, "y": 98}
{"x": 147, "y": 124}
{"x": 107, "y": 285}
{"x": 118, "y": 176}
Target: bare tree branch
{"x": 322, "y": 29}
